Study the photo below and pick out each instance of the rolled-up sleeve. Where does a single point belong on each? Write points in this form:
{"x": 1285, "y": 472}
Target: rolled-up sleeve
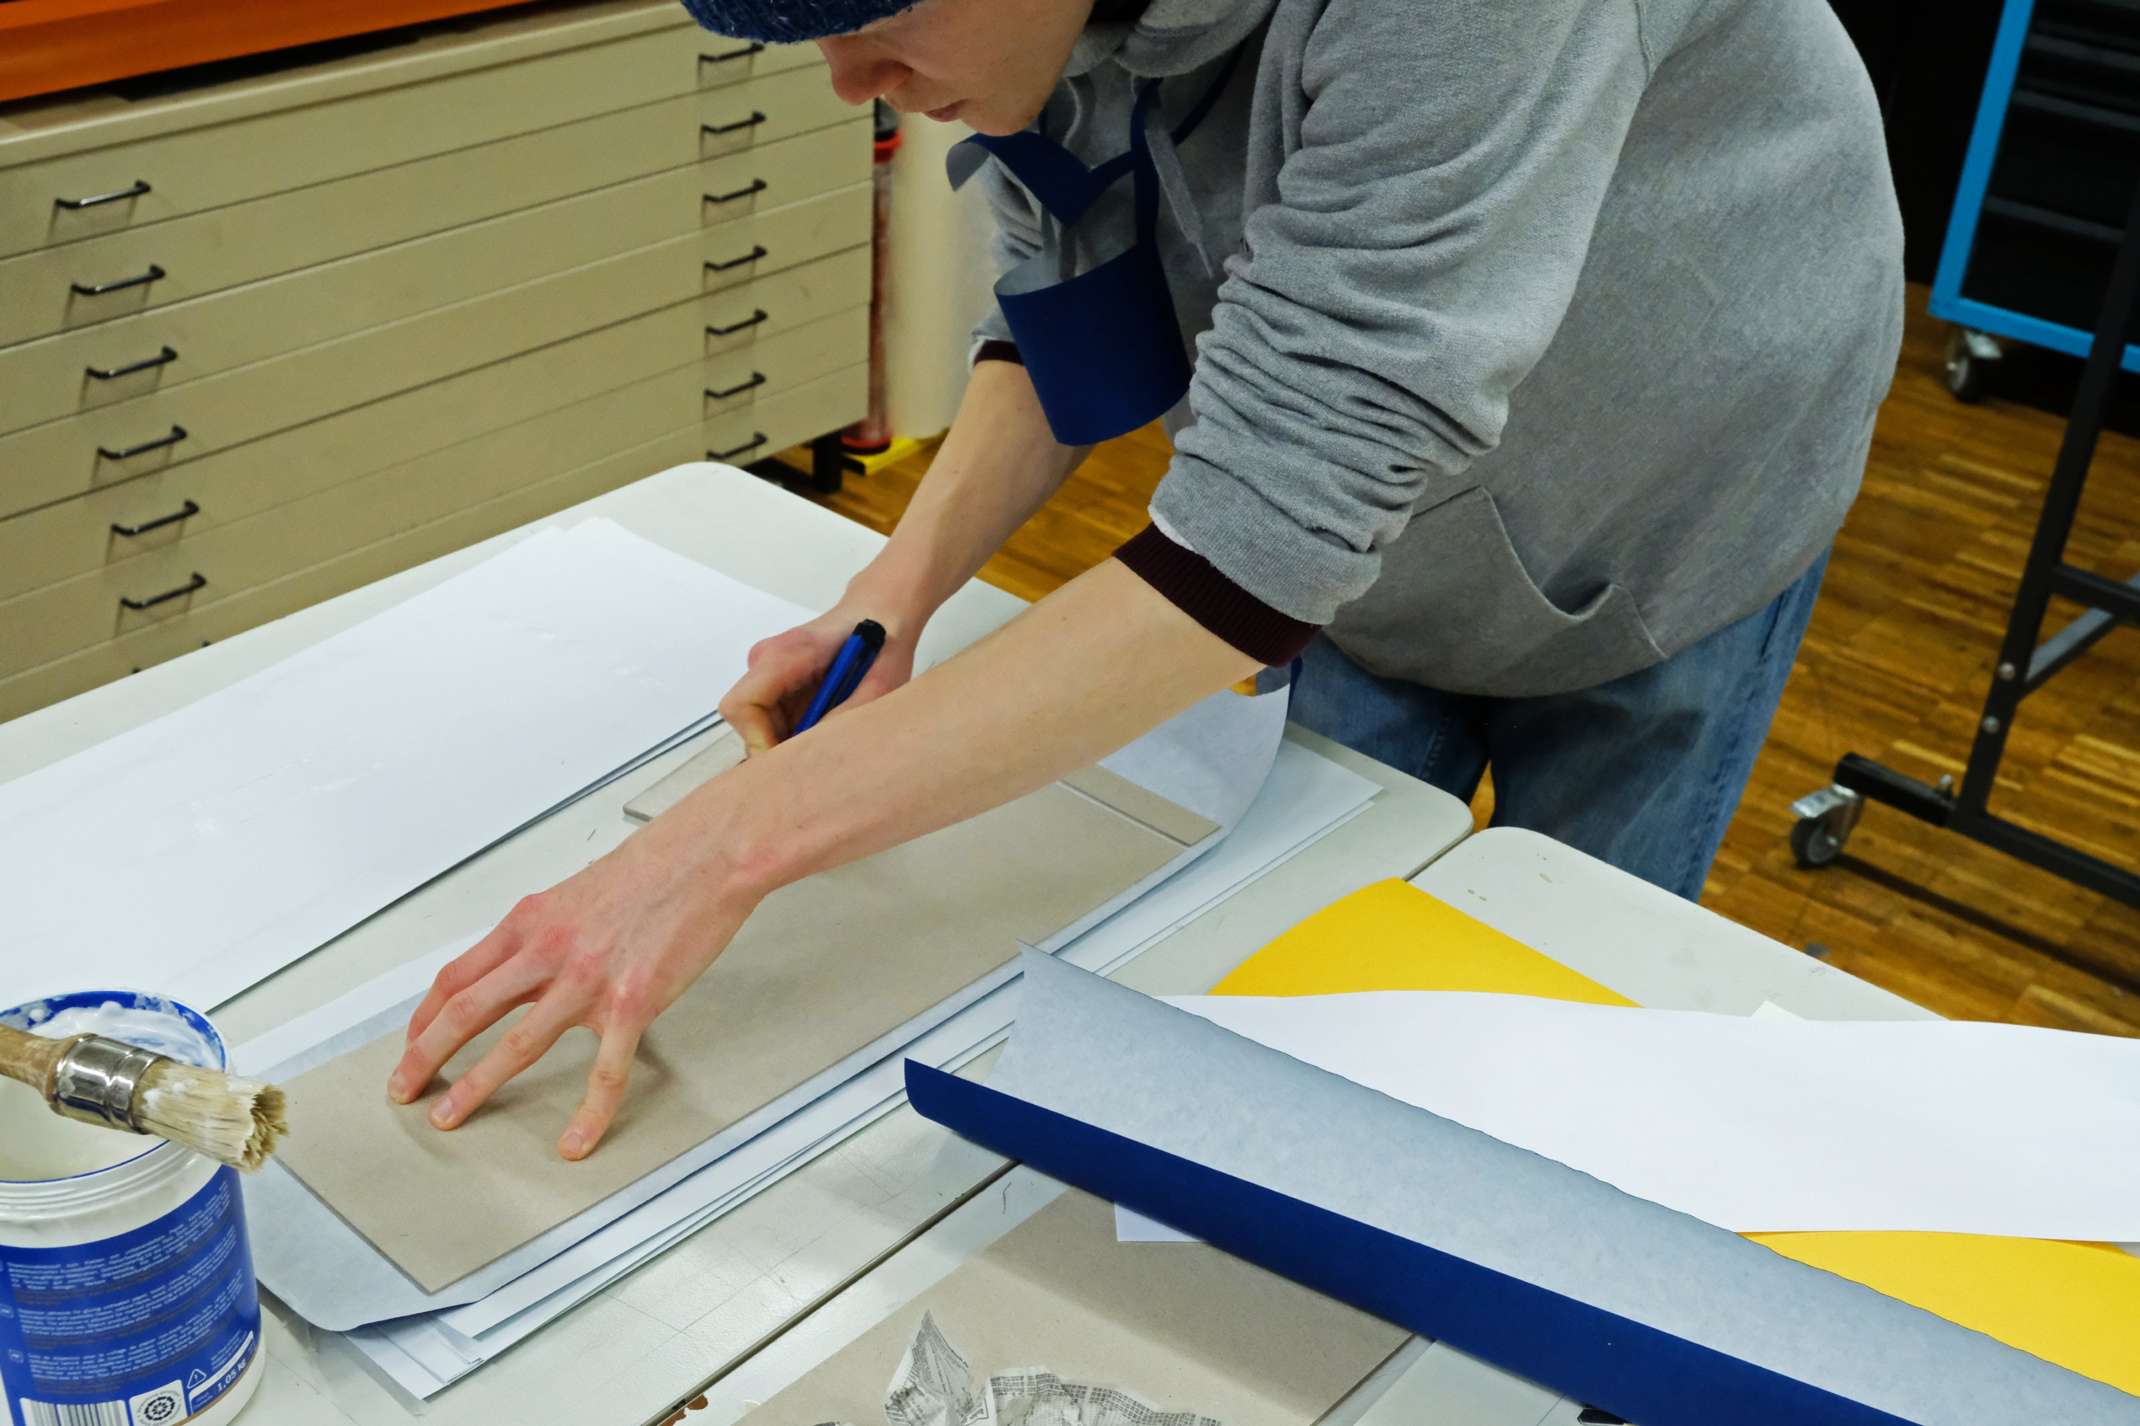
{"x": 1371, "y": 334}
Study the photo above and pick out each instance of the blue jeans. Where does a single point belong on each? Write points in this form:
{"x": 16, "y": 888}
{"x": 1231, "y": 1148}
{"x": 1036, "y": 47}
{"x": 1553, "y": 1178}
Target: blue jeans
{"x": 1643, "y": 772}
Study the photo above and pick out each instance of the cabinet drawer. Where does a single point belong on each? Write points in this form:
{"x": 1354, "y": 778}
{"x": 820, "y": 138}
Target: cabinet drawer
{"x": 208, "y": 561}
{"x": 200, "y": 169}
{"x": 72, "y": 537}
{"x": 239, "y": 531}
{"x": 58, "y": 376}
{"x": 830, "y": 400}
{"x": 64, "y": 458}
{"x": 214, "y": 251}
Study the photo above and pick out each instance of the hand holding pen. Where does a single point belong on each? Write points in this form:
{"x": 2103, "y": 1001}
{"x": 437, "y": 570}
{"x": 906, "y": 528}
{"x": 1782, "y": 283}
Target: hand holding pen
{"x": 798, "y": 678}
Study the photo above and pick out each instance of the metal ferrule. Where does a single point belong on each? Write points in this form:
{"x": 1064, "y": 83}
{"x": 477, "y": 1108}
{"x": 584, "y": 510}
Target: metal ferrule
{"x": 97, "y": 1080}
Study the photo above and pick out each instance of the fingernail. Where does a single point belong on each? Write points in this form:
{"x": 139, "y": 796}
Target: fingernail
{"x": 442, "y": 1113}
{"x": 397, "y": 1089}
{"x": 574, "y": 1144}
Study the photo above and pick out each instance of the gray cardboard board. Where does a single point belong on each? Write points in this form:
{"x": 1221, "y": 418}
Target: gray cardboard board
{"x": 823, "y": 969}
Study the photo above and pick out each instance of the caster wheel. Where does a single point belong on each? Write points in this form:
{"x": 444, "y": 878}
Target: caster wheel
{"x": 1969, "y": 363}
{"x": 1815, "y": 843}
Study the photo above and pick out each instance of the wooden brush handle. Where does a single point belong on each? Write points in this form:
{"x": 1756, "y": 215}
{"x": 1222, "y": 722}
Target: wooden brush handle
{"x": 31, "y": 1058}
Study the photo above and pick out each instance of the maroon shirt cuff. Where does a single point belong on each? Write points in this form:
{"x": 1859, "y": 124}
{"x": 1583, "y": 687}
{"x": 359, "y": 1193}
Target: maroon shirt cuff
{"x": 998, "y": 350}
{"x": 1194, "y": 585}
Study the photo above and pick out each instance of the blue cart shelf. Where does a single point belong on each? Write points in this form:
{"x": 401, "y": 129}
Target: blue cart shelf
{"x": 2054, "y": 155}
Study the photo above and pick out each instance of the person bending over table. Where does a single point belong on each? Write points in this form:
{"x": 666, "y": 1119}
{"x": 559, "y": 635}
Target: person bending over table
{"x": 1521, "y": 359}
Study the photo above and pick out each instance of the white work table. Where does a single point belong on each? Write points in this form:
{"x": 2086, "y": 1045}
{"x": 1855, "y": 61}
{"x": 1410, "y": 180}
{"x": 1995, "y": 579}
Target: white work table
{"x": 652, "y": 1341}
{"x": 1645, "y": 943}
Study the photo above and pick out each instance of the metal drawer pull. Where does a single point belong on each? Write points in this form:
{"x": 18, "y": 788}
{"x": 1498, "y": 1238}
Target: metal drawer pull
{"x": 752, "y": 256}
{"x": 199, "y": 581}
{"x": 178, "y": 433}
{"x": 757, "y": 379}
{"x": 757, "y": 186}
{"x": 757, "y": 439}
{"x": 744, "y": 53}
{"x": 734, "y": 327}
{"x": 185, "y": 512}
{"x": 99, "y": 289}
{"x": 113, "y": 373}
{"x": 137, "y": 189}
{"x": 756, "y": 118}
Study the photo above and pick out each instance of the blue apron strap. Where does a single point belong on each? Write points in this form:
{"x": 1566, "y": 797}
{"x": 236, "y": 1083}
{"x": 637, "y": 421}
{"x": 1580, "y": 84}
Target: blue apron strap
{"x": 1056, "y": 177}
{"x": 1146, "y": 178}
{"x": 1103, "y": 348}
{"x": 1058, "y": 180}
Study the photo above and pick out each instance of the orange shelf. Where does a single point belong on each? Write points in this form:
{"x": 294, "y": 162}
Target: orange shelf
{"x": 50, "y": 45}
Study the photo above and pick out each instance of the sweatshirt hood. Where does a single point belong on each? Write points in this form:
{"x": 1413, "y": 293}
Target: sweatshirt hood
{"x": 1171, "y": 37}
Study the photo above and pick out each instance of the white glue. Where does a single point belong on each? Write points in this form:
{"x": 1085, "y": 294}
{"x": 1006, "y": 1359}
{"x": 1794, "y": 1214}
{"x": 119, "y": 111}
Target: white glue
{"x": 126, "y": 1278}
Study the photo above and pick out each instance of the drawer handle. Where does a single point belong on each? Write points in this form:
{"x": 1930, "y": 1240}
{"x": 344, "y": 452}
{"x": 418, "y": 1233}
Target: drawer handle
{"x": 727, "y": 56}
{"x": 113, "y": 373}
{"x": 178, "y": 433}
{"x": 757, "y": 186}
{"x": 733, "y": 263}
{"x": 99, "y": 289}
{"x": 137, "y": 189}
{"x": 199, "y": 581}
{"x": 757, "y": 379}
{"x": 757, "y": 439}
{"x": 732, "y": 328}
{"x": 756, "y": 118}
{"x": 184, "y": 512}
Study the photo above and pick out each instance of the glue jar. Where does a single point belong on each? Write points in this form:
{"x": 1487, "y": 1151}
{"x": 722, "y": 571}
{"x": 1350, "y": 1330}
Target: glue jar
{"x": 126, "y": 1278}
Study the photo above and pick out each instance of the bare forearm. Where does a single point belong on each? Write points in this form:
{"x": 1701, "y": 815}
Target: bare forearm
{"x": 1092, "y": 667}
{"x": 997, "y": 466}
{"x": 1088, "y": 669}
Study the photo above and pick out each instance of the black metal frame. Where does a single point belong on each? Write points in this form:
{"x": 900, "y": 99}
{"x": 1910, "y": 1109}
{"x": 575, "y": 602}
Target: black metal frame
{"x": 2025, "y": 664}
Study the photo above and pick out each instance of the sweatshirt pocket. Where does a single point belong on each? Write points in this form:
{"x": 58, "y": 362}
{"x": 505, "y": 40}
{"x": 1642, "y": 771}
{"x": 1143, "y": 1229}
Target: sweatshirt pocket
{"x": 1456, "y": 609}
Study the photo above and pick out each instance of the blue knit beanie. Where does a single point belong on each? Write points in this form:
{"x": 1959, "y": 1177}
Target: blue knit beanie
{"x": 790, "y": 21}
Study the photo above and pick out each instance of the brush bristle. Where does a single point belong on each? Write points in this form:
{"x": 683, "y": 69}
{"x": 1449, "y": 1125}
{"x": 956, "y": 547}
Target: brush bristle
{"x": 235, "y": 1121}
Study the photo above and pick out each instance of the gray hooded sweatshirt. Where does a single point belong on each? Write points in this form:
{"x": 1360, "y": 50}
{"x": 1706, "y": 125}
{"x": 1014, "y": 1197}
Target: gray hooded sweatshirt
{"x": 1533, "y": 339}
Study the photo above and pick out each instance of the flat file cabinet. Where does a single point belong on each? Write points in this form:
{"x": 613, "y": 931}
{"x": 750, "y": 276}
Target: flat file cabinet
{"x": 269, "y": 336}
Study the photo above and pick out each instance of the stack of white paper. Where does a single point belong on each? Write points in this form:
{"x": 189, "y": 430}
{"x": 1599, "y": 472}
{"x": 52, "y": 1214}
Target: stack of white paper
{"x": 422, "y": 1343}
{"x": 202, "y": 852}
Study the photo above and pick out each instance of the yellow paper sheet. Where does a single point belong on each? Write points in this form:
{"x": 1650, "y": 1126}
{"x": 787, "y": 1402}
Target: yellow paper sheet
{"x": 2074, "y": 1304}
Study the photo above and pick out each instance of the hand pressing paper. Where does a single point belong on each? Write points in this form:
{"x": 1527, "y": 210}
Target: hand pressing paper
{"x": 929, "y": 921}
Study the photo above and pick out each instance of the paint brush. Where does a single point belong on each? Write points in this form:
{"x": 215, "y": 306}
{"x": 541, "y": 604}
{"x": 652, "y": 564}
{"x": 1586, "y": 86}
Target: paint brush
{"x": 107, "y": 1082}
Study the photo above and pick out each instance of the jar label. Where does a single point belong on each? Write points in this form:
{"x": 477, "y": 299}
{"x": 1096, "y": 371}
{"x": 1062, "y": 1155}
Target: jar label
{"x": 146, "y": 1328}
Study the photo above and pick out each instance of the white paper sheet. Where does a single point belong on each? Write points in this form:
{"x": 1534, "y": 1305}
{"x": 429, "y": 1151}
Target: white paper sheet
{"x": 1757, "y": 1124}
{"x": 1305, "y": 798}
{"x": 198, "y": 854}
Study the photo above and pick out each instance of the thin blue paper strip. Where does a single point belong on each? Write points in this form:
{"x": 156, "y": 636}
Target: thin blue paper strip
{"x": 1633, "y": 1370}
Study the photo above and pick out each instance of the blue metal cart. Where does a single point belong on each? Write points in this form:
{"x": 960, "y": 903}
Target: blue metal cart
{"x": 2037, "y": 219}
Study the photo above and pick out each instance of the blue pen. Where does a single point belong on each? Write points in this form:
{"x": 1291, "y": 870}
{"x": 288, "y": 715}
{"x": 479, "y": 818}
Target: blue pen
{"x": 849, "y": 667}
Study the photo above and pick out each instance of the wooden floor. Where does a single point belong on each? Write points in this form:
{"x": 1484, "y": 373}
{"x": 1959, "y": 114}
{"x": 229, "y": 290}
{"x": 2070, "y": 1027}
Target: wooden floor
{"x": 1895, "y": 667}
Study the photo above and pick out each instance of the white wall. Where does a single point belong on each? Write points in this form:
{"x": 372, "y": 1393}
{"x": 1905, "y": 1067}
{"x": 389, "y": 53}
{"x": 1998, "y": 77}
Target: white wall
{"x": 940, "y": 280}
